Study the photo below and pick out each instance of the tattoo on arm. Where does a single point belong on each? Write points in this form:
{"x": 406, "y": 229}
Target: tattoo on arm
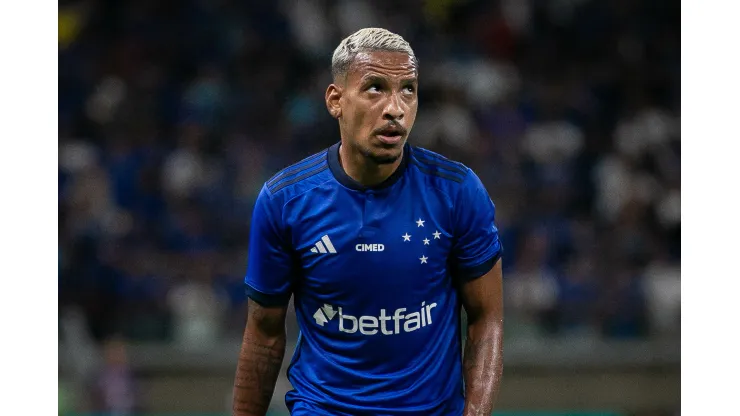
{"x": 482, "y": 366}
{"x": 260, "y": 360}
{"x": 483, "y": 354}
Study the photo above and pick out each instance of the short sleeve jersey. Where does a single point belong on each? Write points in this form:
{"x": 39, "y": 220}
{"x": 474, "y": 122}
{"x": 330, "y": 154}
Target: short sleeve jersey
{"x": 374, "y": 273}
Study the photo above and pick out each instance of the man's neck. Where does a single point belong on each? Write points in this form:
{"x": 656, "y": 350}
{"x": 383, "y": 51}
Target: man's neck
{"x": 363, "y": 170}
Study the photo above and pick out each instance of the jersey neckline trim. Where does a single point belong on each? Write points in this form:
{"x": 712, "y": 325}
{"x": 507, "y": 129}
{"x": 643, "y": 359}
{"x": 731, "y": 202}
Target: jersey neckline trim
{"x": 341, "y": 176}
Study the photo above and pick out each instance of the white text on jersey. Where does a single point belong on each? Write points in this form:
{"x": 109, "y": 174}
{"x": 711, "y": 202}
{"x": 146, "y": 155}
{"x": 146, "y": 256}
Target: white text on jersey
{"x": 369, "y": 247}
{"x": 402, "y": 322}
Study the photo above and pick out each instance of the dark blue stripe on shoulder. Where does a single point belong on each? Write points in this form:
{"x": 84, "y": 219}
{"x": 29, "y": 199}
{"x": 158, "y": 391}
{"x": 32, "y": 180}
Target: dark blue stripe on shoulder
{"x": 296, "y": 168}
{"x": 322, "y": 167}
{"x": 436, "y": 159}
{"x": 267, "y": 300}
{"x": 429, "y": 170}
{"x": 472, "y": 273}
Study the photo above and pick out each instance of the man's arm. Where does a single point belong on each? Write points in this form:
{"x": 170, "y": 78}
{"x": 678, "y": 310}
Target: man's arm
{"x": 483, "y": 356}
{"x": 260, "y": 359}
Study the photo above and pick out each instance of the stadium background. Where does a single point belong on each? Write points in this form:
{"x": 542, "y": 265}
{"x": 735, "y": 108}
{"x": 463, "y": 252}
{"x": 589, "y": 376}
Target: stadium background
{"x": 173, "y": 113}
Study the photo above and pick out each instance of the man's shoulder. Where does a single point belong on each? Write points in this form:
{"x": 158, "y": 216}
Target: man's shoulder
{"x": 439, "y": 169}
{"x": 299, "y": 176}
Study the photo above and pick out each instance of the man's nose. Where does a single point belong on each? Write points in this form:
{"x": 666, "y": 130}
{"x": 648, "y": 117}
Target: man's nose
{"x": 394, "y": 109}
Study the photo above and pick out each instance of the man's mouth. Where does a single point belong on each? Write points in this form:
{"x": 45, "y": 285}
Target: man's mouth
{"x": 390, "y": 136}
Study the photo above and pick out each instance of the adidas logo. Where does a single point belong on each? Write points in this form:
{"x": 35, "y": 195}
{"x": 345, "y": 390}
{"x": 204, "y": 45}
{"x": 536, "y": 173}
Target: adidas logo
{"x": 324, "y": 246}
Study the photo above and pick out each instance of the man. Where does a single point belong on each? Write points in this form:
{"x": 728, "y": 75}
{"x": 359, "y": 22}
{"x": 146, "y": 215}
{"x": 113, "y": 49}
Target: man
{"x": 380, "y": 244}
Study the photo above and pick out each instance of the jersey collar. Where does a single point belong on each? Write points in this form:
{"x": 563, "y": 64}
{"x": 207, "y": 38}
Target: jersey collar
{"x": 336, "y": 169}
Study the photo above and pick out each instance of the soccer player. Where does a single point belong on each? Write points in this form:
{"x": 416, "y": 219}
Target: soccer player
{"x": 380, "y": 244}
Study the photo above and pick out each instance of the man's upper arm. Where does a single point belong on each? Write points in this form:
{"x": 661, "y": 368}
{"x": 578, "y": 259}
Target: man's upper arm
{"x": 477, "y": 247}
{"x": 266, "y": 320}
{"x": 484, "y": 296}
{"x": 270, "y": 267}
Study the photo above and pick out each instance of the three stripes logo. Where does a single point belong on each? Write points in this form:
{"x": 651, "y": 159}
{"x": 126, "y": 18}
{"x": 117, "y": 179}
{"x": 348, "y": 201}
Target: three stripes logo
{"x": 324, "y": 246}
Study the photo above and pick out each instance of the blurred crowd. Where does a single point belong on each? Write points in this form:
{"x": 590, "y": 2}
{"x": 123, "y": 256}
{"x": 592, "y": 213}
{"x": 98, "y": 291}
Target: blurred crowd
{"x": 173, "y": 113}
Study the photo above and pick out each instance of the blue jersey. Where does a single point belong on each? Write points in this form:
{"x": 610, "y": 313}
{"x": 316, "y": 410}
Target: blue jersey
{"x": 373, "y": 272}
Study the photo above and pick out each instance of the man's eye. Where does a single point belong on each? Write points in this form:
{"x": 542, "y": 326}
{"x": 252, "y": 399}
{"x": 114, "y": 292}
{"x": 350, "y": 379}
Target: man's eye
{"x": 374, "y": 87}
{"x": 409, "y": 88}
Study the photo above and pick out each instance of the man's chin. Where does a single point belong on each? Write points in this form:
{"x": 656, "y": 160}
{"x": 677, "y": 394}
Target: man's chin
{"x": 384, "y": 156}
{"x": 384, "y": 159}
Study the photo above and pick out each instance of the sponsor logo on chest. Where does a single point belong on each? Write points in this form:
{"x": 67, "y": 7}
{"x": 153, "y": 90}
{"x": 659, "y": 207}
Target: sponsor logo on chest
{"x": 370, "y": 247}
{"x": 385, "y": 323}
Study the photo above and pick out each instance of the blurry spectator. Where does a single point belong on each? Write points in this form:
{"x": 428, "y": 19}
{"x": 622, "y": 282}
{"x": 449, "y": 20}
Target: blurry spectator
{"x": 142, "y": 289}
{"x": 623, "y": 305}
{"x": 662, "y": 287}
{"x": 310, "y": 26}
{"x": 620, "y": 183}
{"x": 81, "y": 352}
{"x": 353, "y": 15}
{"x": 578, "y": 298}
{"x": 531, "y": 289}
{"x": 183, "y": 171}
{"x": 204, "y": 99}
{"x": 555, "y": 141}
{"x": 115, "y": 392}
{"x": 198, "y": 306}
{"x": 645, "y": 132}
{"x": 187, "y": 230}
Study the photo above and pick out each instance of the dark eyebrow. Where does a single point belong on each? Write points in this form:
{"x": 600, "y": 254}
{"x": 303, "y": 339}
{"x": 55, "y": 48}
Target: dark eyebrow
{"x": 372, "y": 78}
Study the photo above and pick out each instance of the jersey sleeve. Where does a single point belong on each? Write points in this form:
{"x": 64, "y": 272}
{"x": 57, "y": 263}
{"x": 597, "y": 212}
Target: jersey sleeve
{"x": 270, "y": 262}
{"x": 477, "y": 247}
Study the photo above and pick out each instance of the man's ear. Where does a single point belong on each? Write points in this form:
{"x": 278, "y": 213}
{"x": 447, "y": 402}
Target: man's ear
{"x": 332, "y": 97}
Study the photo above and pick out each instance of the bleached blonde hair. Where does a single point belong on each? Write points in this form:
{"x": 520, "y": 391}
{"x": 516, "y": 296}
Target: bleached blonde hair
{"x": 371, "y": 39}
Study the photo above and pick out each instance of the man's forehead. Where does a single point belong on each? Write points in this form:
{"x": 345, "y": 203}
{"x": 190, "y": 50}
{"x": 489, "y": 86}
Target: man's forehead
{"x": 383, "y": 63}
